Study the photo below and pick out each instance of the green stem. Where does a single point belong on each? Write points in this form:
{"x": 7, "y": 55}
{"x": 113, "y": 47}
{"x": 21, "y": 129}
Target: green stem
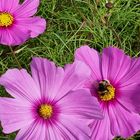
{"x": 13, "y": 53}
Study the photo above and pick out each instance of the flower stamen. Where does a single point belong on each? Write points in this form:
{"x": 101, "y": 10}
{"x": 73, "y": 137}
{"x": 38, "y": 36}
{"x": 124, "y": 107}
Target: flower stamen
{"x": 6, "y": 19}
{"x": 45, "y": 111}
{"x": 106, "y": 91}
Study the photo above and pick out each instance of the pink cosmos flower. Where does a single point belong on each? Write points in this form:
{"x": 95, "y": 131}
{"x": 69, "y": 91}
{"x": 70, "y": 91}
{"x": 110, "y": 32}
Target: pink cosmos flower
{"x": 114, "y": 81}
{"x": 17, "y": 23}
{"x": 48, "y": 105}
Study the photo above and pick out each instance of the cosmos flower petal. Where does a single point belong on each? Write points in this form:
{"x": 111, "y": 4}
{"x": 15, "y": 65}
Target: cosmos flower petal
{"x": 100, "y": 129}
{"x": 53, "y": 132}
{"x": 27, "y": 8}
{"x": 20, "y": 85}
{"x": 75, "y": 75}
{"x": 71, "y": 128}
{"x": 123, "y": 122}
{"x": 112, "y": 68}
{"x": 8, "y": 5}
{"x": 127, "y": 98}
{"x": 129, "y": 85}
{"x": 132, "y": 74}
{"x": 52, "y": 79}
{"x": 35, "y": 25}
{"x": 85, "y": 106}
{"x": 13, "y": 36}
{"x": 38, "y": 130}
{"x": 34, "y": 131}
{"x": 92, "y": 58}
{"x": 64, "y": 129}
{"x": 13, "y": 114}
{"x": 47, "y": 76}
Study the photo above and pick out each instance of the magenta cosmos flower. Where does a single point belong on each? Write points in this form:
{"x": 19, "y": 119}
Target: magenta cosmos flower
{"x": 49, "y": 105}
{"x": 114, "y": 81}
{"x": 16, "y": 21}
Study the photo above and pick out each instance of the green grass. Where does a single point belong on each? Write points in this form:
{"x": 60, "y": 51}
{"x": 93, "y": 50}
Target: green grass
{"x": 72, "y": 23}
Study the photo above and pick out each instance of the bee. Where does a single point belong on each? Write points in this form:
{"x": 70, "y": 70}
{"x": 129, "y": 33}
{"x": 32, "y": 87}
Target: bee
{"x": 102, "y": 88}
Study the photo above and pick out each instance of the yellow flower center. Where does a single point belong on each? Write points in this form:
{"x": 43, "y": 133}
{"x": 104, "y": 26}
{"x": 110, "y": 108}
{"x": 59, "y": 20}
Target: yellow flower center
{"x": 106, "y": 91}
{"x": 6, "y": 19}
{"x": 45, "y": 111}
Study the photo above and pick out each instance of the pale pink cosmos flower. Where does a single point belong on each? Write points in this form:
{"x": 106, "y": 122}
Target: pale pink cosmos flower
{"x": 115, "y": 82}
{"x": 48, "y": 105}
{"x": 18, "y": 23}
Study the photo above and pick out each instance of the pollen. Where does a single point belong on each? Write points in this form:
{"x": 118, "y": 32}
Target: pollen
{"x": 6, "y": 19}
{"x": 45, "y": 111}
{"x": 106, "y": 91}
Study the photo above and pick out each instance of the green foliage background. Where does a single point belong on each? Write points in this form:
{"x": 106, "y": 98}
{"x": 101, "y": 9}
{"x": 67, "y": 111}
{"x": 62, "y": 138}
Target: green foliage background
{"x": 72, "y": 23}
